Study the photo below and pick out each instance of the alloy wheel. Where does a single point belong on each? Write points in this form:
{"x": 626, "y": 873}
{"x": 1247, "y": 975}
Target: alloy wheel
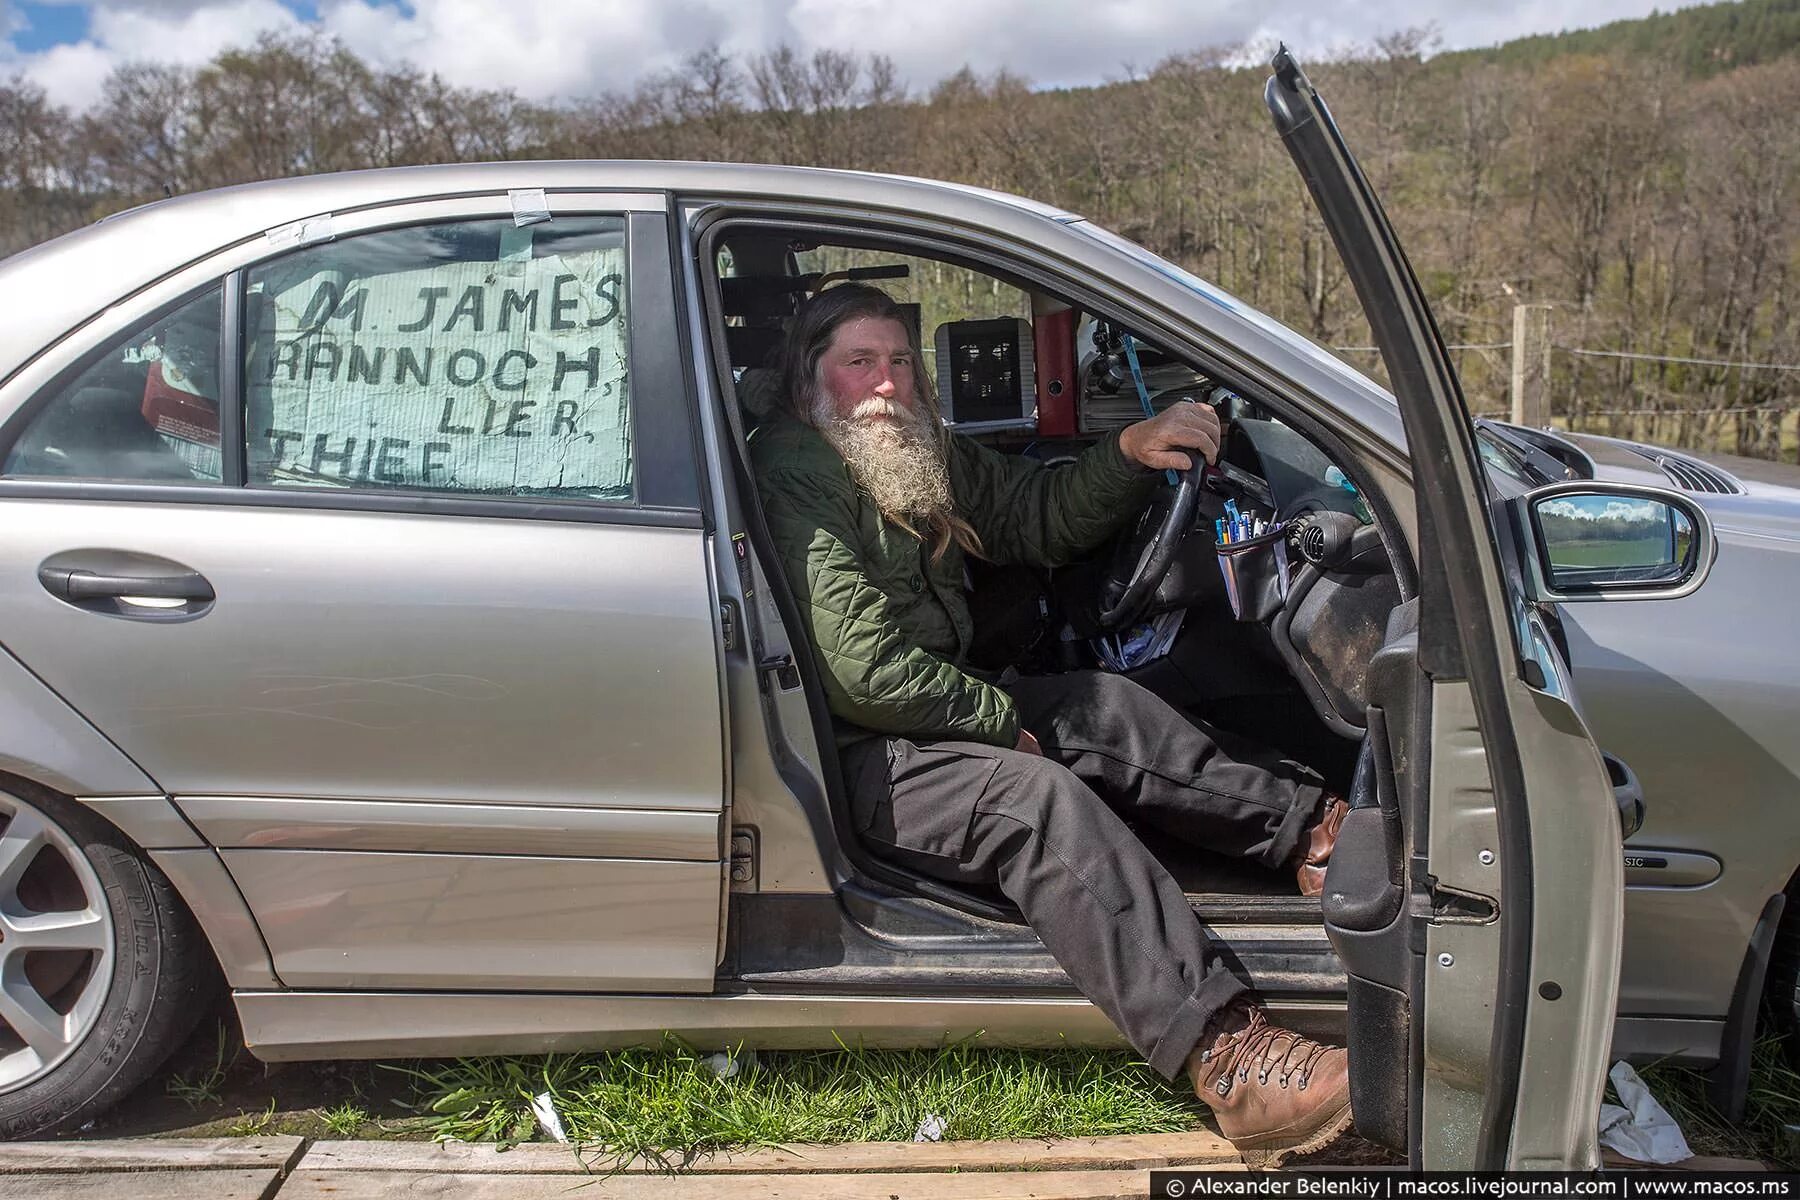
{"x": 56, "y": 944}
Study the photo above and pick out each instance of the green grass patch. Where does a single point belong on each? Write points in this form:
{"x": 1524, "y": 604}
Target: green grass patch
{"x": 1774, "y": 1102}
{"x": 670, "y": 1101}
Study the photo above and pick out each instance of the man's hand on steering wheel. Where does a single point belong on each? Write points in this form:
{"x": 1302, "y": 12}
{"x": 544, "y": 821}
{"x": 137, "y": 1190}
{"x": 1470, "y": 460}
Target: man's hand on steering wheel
{"x": 1161, "y": 441}
{"x": 1180, "y": 438}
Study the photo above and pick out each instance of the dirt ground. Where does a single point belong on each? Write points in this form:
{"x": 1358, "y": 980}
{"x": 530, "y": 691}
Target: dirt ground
{"x": 213, "y": 1087}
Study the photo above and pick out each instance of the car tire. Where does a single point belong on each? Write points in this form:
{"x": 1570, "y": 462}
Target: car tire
{"x": 105, "y": 966}
{"x": 1781, "y": 987}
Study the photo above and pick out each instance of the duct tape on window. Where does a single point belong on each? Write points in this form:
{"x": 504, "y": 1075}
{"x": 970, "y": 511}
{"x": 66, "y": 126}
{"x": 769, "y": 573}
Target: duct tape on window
{"x": 304, "y": 232}
{"x": 529, "y": 206}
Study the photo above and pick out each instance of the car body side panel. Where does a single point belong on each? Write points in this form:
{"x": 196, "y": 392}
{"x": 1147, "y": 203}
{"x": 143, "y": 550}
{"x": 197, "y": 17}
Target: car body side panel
{"x": 1700, "y": 696}
{"x": 224, "y": 916}
{"x": 289, "y": 823}
{"x": 287, "y": 1026}
{"x": 153, "y": 822}
{"x": 1667, "y": 1039}
{"x": 479, "y": 921}
{"x": 49, "y": 743}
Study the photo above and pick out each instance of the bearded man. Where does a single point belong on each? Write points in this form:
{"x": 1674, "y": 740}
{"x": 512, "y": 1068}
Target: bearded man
{"x": 1026, "y": 785}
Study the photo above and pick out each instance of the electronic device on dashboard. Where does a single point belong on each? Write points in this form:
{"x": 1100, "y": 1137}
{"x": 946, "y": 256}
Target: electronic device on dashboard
{"x": 987, "y": 373}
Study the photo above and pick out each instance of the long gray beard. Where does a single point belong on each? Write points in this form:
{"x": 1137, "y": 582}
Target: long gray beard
{"x": 900, "y": 466}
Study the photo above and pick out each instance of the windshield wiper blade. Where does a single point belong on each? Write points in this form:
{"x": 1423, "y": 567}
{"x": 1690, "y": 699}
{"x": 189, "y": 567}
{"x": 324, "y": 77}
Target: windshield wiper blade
{"x": 1544, "y": 466}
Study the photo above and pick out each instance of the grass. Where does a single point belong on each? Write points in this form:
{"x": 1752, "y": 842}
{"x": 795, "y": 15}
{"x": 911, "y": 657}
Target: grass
{"x": 344, "y": 1120}
{"x": 1774, "y": 1102}
{"x": 669, "y": 1101}
{"x": 251, "y": 1124}
{"x": 202, "y": 1086}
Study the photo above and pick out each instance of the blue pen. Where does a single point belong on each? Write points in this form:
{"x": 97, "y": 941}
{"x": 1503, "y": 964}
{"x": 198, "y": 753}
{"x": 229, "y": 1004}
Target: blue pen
{"x": 1219, "y": 531}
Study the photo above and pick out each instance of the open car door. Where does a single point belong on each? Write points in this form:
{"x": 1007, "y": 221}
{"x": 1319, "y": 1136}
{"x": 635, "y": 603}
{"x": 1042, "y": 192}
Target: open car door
{"x": 1477, "y": 909}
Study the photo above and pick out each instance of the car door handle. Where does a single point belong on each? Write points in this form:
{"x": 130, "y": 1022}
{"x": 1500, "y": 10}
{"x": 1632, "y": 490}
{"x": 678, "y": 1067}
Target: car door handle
{"x": 76, "y": 585}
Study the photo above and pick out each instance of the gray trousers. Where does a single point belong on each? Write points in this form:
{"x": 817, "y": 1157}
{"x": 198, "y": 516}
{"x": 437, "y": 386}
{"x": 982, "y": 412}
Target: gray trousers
{"x": 1050, "y": 833}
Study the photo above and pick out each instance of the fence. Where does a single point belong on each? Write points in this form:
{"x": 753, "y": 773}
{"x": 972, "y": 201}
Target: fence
{"x": 1748, "y": 432}
{"x": 1767, "y": 431}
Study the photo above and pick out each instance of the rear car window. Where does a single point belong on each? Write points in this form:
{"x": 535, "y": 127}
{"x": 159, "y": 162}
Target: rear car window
{"x": 145, "y": 409}
{"x": 475, "y": 357}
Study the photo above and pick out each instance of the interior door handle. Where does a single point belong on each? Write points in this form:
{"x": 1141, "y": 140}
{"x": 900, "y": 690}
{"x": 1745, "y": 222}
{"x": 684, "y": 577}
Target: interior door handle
{"x": 75, "y": 585}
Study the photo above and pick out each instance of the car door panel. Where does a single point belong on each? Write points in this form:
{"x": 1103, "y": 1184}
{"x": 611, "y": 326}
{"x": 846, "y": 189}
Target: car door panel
{"x": 377, "y": 655}
{"x": 1519, "y": 798}
{"x": 482, "y": 922}
{"x": 482, "y": 672}
{"x": 418, "y": 683}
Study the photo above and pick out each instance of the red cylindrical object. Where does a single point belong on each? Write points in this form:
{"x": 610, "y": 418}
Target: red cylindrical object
{"x": 1053, "y": 334}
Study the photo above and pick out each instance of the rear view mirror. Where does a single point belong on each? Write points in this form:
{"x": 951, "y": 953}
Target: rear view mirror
{"x": 1615, "y": 542}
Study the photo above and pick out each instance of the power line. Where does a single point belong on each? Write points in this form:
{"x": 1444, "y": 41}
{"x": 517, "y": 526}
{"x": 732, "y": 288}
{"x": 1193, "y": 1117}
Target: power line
{"x": 1636, "y": 357}
{"x": 1673, "y": 358}
{"x": 1467, "y": 346}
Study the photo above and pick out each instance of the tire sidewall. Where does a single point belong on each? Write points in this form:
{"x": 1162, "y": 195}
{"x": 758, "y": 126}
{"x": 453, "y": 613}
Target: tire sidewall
{"x": 111, "y": 1059}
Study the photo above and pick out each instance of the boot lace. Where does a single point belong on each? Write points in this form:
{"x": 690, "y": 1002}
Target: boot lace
{"x": 1271, "y": 1049}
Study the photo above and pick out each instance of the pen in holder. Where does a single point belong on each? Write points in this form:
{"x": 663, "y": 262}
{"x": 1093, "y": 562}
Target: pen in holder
{"x": 1256, "y": 573}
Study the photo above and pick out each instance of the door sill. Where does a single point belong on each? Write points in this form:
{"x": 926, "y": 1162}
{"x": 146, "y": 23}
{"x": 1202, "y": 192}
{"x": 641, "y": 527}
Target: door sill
{"x": 863, "y": 942}
{"x": 1214, "y": 908}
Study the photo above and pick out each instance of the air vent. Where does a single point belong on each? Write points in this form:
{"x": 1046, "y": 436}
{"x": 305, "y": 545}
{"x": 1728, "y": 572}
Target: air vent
{"x": 1312, "y": 542}
{"x": 1689, "y": 474}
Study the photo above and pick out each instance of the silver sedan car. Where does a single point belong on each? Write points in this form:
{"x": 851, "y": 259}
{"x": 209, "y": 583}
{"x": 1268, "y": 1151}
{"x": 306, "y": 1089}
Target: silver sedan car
{"x": 390, "y": 631}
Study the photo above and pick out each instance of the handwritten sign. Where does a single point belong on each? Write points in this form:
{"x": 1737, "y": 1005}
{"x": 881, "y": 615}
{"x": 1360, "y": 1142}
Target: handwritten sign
{"x": 506, "y": 376}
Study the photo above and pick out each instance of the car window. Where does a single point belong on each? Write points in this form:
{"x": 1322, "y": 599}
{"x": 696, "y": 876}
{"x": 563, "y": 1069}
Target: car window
{"x": 474, "y": 357}
{"x": 145, "y": 409}
{"x": 1497, "y": 456}
{"x": 942, "y": 291}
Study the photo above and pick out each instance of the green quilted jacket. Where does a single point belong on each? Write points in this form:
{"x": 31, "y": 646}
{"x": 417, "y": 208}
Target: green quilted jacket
{"x": 890, "y": 627}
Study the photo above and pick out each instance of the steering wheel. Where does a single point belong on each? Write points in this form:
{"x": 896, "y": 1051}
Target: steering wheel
{"x": 1144, "y": 557}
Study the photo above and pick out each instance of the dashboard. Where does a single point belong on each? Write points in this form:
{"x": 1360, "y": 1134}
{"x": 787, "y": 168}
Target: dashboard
{"x": 1324, "y": 592}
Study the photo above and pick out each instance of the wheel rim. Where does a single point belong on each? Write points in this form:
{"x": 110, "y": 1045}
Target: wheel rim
{"x": 56, "y": 944}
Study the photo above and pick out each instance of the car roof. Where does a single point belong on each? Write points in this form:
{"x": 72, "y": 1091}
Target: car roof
{"x": 134, "y": 248}
{"x": 128, "y": 251}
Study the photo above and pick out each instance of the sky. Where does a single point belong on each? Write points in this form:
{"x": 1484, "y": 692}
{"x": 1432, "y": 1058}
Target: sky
{"x": 566, "y": 49}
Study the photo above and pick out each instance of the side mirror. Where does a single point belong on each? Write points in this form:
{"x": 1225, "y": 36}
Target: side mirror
{"x": 1614, "y": 541}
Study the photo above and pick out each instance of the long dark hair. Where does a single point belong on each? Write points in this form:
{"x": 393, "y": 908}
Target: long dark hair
{"x": 809, "y": 334}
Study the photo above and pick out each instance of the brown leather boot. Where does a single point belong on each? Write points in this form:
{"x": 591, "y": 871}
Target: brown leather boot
{"x": 1273, "y": 1092}
{"x": 1315, "y": 851}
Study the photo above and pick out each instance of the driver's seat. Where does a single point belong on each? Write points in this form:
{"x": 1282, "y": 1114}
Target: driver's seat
{"x": 758, "y": 396}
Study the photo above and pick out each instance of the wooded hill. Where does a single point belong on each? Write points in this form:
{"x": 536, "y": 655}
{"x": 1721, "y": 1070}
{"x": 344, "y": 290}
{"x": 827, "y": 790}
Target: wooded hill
{"x": 1640, "y": 177}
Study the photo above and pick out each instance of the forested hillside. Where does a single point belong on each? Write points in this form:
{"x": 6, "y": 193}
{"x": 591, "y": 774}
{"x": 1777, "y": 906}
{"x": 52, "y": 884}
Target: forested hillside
{"x": 1640, "y": 177}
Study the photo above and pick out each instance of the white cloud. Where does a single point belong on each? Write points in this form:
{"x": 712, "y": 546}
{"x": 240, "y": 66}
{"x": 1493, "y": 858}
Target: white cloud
{"x": 188, "y": 34}
{"x": 1601, "y": 508}
{"x": 541, "y": 49}
{"x": 547, "y": 49}
{"x": 165, "y": 33}
{"x": 71, "y": 74}
{"x": 170, "y": 7}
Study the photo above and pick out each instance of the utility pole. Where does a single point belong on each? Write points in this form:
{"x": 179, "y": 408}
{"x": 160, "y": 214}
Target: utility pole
{"x": 1531, "y": 365}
